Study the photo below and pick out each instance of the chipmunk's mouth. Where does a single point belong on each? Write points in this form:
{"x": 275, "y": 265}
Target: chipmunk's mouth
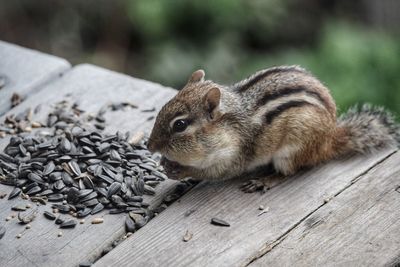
{"x": 167, "y": 162}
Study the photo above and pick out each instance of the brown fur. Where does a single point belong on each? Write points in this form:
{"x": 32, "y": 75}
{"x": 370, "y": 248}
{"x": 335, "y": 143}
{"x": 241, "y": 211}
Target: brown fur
{"x": 228, "y": 134}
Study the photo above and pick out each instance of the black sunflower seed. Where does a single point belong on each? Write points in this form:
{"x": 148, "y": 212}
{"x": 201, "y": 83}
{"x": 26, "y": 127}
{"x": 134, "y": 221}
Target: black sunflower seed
{"x": 49, "y": 215}
{"x": 59, "y": 220}
{"x": 65, "y": 145}
{"x": 34, "y": 190}
{"x": 61, "y": 208}
{"x": 66, "y": 178}
{"x": 22, "y": 149}
{"x": 14, "y": 193}
{"x": 91, "y": 202}
{"x": 49, "y": 168}
{"x": 116, "y": 199}
{"x": 74, "y": 167}
{"x": 83, "y": 213}
{"x": 129, "y": 224}
{"x": 139, "y": 220}
{"x": 106, "y": 179}
{"x": 92, "y": 195}
{"x": 113, "y": 189}
{"x": 46, "y": 192}
{"x": 99, "y": 207}
{"x": 73, "y": 195}
{"x": 35, "y": 178}
{"x": 84, "y": 192}
{"x": 149, "y": 190}
{"x": 219, "y": 222}
{"x": 19, "y": 208}
{"x": 55, "y": 197}
{"x": 68, "y": 224}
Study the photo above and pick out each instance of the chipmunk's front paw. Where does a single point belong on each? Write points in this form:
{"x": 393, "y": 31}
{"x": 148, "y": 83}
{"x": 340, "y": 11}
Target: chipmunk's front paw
{"x": 174, "y": 170}
{"x": 253, "y": 186}
{"x": 263, "y": 184}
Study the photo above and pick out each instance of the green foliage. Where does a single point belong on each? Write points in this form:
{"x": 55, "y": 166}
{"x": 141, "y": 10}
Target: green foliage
{"x": 233, "y": 39}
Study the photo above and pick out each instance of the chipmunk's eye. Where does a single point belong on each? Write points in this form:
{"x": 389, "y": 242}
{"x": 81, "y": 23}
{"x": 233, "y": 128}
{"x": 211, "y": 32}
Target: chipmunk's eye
{"x": 180, "y": 125}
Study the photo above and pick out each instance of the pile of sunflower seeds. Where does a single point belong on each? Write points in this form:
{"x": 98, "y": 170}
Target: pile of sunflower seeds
{"x": 81, "y": 170}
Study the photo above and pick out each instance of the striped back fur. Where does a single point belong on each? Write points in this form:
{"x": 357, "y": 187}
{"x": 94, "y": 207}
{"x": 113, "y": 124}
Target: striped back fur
{"x": 271, "y": 92}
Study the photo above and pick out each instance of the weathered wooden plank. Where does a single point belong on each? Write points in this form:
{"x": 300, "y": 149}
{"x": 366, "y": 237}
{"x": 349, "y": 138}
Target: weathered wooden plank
{"x": 94, "y": 87}
{"x": 160, "y": 243}
{"x": 25, "y": 71}
{"x": 359, "y": 227}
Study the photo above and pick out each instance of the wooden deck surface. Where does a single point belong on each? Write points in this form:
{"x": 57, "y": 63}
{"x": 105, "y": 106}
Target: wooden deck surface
{"x": 343, "y": 213}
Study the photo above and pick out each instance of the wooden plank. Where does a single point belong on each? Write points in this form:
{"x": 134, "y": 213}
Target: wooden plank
{"x": 359, "y": 227}
{"x": 94, "y": 87}
{"x": 250, "y": 235}
{"x": 25, "y": 71}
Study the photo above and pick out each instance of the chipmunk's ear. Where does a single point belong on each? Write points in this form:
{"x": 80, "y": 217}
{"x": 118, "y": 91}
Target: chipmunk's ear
{"x": 211, "y": 103}
{"x": 197, "y": 76}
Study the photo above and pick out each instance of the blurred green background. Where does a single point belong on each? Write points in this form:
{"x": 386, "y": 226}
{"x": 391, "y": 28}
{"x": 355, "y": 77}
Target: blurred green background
{"x": 352, "y": 46}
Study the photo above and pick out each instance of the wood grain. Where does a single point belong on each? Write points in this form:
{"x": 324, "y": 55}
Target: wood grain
{"x": 94, "y": 87}
{"x": 359, "y": 227}
{"x": 26, "y": 71}
{"x": 249, "y": 236}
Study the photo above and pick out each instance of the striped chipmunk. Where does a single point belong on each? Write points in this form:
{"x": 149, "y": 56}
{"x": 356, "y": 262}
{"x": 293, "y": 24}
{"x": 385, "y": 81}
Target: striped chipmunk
{"x": 282, "y": 116}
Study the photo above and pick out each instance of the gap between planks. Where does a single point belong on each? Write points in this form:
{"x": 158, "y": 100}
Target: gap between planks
{"x": 271, "y": 245}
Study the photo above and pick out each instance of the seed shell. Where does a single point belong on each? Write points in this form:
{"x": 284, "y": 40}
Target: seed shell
{"x": 188, "y": 235}
{"x": 97, "y": 220}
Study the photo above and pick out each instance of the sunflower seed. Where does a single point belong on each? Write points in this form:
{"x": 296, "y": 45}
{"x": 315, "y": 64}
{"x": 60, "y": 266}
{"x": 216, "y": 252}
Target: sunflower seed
{"x": 34, "y": 190}
{"x": 55, "y": 197}
{"x": 49, "y": 215}
{"x": 73, "y": 195}
{"x": 49, "y": 168}
{"x": 91, "y": 202}
{"x": 14, "y": 193}
{"x": 35, "y": 178}
{"x": 18, "y": 208}
{"x": 84, "y": 192}
{"x": 114, "y": 189}
{"x": 74, "y": 167}
{"x": 92, "y": 195}
{"x": 68, "y": 224}
{"x": 65, "y": 145}
{"x": 139, "y": 220}
{"x": 129, "y": 224}
{"x": 83, "y": 213}
{"x": 85, "y": 264}
{"x": 59, "y": 220}
{"x": 99, "y": 207}
{"x": 219, "y": 222}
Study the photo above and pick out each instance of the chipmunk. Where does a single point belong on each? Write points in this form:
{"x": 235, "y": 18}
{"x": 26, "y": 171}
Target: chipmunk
{"x": 282, "y": 116}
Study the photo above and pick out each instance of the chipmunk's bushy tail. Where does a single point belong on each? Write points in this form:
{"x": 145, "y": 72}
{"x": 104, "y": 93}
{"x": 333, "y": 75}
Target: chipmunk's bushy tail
{"x": 367, "y": 129}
